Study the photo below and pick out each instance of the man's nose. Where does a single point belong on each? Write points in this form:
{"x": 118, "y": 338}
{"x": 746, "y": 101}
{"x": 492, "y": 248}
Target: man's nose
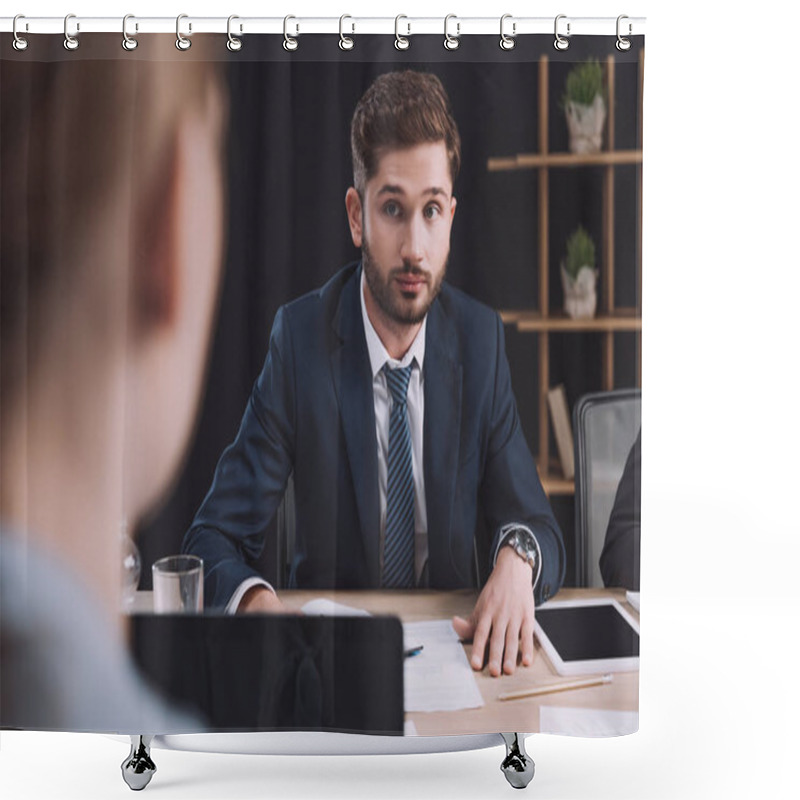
{"x": 412, "y": 247}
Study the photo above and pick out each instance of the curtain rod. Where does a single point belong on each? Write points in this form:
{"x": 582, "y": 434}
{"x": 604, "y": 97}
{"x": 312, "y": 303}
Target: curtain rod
{"x": 346, "y": 25}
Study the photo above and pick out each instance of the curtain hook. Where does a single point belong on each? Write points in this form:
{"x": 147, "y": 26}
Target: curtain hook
{"x": 234, "y": 44}
{"x": 401, "y": 42}
{"x": 70, "y": 42}
{"x": 452, "y": 42}
{"x": 128, "y": 42}
{"x": 345, "y": 42}
{"x": 19, "y": 43}
{"x": 182, "y": 43}
{"x": 561, "y": 43}
{"x": 289, "y": 42}
{"x": 623, "y": 44}
{"x": 507, "y": 42}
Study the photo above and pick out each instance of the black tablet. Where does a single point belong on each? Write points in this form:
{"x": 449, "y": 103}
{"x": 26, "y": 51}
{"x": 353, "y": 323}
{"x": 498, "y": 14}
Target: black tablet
{"x": 586, "y": 636}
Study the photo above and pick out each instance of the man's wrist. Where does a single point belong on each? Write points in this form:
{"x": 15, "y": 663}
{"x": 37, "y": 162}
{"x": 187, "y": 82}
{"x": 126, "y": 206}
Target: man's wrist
{"x": 521, "y": 541}
{"x": 235, "y": 603}
{"x": 260, "y": 600}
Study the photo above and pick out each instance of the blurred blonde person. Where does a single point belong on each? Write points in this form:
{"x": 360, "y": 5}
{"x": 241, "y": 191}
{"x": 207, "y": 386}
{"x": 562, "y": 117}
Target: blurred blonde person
{"x": 112, "y": 229}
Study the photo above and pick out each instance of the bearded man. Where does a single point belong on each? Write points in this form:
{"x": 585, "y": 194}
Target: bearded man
{"x": 386, "y": 394}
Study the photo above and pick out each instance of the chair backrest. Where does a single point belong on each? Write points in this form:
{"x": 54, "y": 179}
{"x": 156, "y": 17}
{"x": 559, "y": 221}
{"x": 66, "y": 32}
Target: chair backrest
{"x": 286, "y": 527}
{"x": 606, "y": 425}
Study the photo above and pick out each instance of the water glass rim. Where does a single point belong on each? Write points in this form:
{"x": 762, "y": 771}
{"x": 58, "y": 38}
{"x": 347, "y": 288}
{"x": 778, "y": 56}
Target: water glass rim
{"x": 181, "y": 564}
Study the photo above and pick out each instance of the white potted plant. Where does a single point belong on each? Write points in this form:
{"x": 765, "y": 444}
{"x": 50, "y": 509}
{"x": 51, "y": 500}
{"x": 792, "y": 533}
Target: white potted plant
{"x": 579, "y": 276}
{"x": 585, "y": 107}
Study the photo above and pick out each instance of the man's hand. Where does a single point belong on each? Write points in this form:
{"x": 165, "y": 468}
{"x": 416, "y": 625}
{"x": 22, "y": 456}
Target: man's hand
{"x": 260, "y": 600}
{"x": 504, "y": 612}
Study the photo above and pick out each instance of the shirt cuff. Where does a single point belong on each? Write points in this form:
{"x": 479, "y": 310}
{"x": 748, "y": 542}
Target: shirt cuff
{"x": 236, "y": 598}
{"x": 505, "y": 534}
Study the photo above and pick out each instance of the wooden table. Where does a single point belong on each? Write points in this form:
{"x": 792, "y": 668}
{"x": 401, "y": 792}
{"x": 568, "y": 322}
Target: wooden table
{"x": 622, "y": 694}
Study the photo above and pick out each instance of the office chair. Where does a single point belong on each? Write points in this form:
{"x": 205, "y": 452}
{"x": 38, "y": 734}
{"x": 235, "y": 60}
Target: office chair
{"x": 286, "y": 535}
{"x": 606, "y": 425}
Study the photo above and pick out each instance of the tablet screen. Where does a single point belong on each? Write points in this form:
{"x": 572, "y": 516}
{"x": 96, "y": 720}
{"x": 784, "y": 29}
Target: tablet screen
{"x": 588, "y": 633}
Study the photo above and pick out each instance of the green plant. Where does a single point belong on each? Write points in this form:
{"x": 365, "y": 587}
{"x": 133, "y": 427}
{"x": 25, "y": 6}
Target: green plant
{"x": 584, "y": 82}
{"x": 580, "y": 252}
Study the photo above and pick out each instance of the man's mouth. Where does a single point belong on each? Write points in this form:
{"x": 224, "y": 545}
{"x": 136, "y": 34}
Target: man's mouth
{"x": 409, "y": 282}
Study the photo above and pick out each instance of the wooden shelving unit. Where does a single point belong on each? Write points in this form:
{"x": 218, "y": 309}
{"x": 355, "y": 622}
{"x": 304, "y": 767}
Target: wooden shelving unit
{"x": 610, "y": 320}
{"x": 535, "y": 160}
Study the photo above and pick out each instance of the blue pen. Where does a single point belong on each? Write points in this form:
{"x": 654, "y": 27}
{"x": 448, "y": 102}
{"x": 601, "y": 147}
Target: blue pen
{"x": 414, "y": 651}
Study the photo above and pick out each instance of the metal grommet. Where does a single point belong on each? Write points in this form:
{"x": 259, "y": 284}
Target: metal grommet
{"x": 345, "y": 42}
{"x": 507, "y": 42}
{"x": 561, "y": 43}
{"x": 128, "y": 42}
{"x": 401, "y": 42}
{"x": 19, "y": 43}
{"x": 70, "y": 42}
{"x": 234, "y": 44}
{"x": 451, "y": 42}
{"x": 289, "y": 43}
{"x": 623, "y": 44}
{"x": 182, "y": 43}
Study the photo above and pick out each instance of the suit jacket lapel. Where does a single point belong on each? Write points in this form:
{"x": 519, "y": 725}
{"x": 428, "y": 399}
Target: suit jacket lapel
{"x": 352, "y": 378}
{"x": 441, "y": 437}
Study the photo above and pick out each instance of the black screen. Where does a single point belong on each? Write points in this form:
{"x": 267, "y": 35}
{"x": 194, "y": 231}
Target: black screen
{"x": 586, "y": 633}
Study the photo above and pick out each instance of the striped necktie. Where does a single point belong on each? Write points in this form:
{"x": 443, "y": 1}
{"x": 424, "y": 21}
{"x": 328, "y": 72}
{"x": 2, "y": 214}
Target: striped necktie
{"x": 398, "y": 549}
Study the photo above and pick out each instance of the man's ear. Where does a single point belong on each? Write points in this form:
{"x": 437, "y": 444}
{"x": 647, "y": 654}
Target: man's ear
{"x": 452, "y": 208}
{"x": 155, "y": 249}
{"x": 352, "y": 201}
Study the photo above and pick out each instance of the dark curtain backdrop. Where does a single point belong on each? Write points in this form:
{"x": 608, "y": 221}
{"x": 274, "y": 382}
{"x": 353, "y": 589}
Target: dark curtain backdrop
{"x": 289, "y": 169}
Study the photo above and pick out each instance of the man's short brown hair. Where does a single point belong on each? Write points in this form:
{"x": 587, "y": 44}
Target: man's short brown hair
{"x": 399, "y": 110}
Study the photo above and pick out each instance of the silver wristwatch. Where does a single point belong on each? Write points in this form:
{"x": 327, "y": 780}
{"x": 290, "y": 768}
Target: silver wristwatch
{"x": 524, "y": 545}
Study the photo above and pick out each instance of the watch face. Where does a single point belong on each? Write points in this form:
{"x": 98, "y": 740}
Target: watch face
{"x": 524, "y": 541}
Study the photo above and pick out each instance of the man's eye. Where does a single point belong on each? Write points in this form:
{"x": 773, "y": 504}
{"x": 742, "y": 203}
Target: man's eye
{"x": 431, "y": 212}
{"x": 392, "y": 210}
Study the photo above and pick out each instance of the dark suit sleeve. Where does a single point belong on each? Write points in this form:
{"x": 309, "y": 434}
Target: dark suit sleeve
{"x": 230, "y": 528}
{"x": 511, "y": 490}
{"x": 619, "y": 561}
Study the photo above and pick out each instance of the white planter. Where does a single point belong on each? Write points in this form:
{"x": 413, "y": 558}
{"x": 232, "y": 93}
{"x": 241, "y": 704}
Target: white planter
{"x": 580, "y": 295}
{"x": 585, "y": 125}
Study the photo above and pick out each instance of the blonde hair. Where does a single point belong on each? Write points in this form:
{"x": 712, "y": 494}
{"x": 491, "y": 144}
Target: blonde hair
{"x": 79, "y": 139}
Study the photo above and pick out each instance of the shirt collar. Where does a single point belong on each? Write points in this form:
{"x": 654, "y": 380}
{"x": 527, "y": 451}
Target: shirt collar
{"x": 377, "y": 352}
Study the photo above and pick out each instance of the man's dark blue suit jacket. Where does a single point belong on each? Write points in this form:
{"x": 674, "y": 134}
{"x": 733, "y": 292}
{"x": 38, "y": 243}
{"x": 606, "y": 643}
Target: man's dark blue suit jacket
{"x": 311, "y": 412}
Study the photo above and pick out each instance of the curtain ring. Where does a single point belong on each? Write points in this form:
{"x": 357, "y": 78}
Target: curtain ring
{"x": 451, "y": 42}
{"x": 182, "y": 43}
{"x": 561, "y": 43}
{"x": 401, "y": 42}
{"x": 289, "y": 43}
{"x": 128, "y": 42}
{"x": 507, "y": 42}
{"x": 623, "y": 44}
{"x": 345, "y": 42}
{"x": 234, "y": 44}
{"x": 70, "y": 42}
{"x": 19, "y": 43}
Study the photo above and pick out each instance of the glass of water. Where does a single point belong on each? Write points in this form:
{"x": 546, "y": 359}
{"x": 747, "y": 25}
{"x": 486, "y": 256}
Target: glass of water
{"x": 178, "y": 585}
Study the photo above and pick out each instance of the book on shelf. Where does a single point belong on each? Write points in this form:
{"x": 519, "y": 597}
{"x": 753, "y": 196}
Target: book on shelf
{"x": 562, "y": 428}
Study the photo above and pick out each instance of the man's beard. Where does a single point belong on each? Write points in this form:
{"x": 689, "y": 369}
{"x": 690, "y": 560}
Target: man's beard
{"x": 382, "y": 292}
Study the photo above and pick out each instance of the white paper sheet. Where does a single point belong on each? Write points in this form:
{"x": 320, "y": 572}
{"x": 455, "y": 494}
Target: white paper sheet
{"x": 437, "y": 679}
{"x": 440, "y": 677}
{"x": 587, "y": 721}
{"x": 328, "y": 608}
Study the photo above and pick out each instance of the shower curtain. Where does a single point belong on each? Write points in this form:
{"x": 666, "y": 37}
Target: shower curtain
{"x": 218, "y": 265}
